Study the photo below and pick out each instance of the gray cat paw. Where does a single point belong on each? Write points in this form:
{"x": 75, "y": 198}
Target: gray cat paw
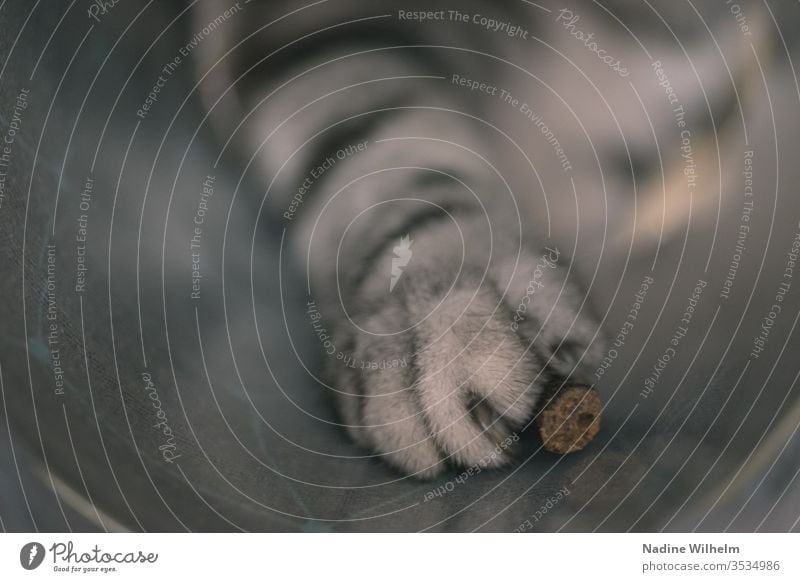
{"x": 445, "y": 382}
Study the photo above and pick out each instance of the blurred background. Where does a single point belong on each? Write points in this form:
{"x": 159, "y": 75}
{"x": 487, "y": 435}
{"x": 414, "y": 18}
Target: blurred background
{"x": 128, "y": 403}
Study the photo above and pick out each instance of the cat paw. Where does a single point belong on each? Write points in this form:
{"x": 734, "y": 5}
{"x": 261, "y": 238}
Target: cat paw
{"x": 430, "y": 382}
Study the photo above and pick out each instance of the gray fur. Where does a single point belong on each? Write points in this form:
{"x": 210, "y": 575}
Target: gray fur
{"x": 457, "y": 365}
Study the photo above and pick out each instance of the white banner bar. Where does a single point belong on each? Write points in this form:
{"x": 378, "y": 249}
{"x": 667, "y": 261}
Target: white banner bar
{"x": 399, "y": 557}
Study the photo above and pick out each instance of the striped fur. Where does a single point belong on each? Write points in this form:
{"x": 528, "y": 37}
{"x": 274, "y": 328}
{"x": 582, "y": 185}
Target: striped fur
{"x": 436, "y": 360}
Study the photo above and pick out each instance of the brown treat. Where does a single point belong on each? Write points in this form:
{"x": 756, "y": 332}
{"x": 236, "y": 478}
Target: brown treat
{"x": 570, "y": 419}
